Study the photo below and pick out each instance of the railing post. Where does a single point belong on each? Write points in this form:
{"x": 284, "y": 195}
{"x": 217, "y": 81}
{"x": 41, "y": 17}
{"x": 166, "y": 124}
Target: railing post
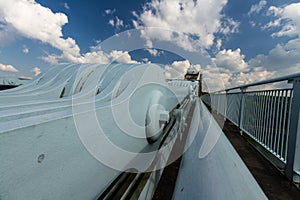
{"x": 200, "y": 86}
{"x": 226, "y": 106}
{"x": 242, "y": 106}
{"x": 293, "y": 152}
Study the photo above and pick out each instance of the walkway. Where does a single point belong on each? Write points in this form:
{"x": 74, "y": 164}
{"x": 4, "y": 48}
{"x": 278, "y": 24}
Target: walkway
{"x": 274, "y": 184}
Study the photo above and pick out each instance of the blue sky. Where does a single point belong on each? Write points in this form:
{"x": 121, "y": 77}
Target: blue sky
{"x": 244, "y": 41}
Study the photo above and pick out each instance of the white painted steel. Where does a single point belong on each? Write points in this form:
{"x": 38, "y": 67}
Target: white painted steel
{"x": 42, "y": 155}
{"x": 270, "y": 117}
{"x": 221, "y": 174}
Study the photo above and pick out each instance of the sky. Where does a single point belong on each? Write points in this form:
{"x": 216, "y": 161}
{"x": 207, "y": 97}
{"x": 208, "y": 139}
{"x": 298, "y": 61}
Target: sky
{"x": 234, "y": 41}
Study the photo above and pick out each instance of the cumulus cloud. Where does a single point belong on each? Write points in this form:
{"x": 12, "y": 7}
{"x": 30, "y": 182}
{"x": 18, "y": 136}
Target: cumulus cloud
{"x": 229, "y": 69}
{"x": 218, "y": 79}
{"x": 96, "y": 57}
{"x": 189, "y": 24}
{"x": 284, "y": 58}
{"x": 178, "y": 69}
{"x": 230, "y": 61}
{"x": 289, "y": 16}
{"x": 256, "y": 8}
{"x": 121, "y": 57}
{"x": 32, "y": 20}
{"x": 255, "y": 75}
{"x": 8, "y": 68}
{"x": 36, "y": 71}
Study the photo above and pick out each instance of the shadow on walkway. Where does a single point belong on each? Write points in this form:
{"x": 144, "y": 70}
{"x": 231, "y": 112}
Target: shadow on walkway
{"x": 271, "y": 180}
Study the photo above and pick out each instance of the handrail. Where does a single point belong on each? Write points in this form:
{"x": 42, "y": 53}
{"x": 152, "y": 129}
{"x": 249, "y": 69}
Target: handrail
{"x": 270, "y": 117}
{"x": 273, "y": 80}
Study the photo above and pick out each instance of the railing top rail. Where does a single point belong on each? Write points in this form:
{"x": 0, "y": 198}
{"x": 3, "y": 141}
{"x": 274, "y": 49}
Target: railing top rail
{"x": 273, "y": 80}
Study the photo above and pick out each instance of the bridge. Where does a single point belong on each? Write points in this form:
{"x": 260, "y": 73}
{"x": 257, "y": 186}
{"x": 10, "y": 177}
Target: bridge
{"x": 121, "y": 131}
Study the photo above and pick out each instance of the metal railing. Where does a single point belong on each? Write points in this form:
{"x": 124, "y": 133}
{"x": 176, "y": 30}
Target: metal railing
{"x": 270, "y": 117}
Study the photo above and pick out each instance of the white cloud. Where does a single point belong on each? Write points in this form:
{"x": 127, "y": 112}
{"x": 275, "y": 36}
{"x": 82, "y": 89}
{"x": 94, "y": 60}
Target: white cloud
{"x": 25, "y": 50}
{"x": 229, "y": 69}
{"x": 9, "y": 68}
{"x": 110, "y": 11}
{"x": 217, "y": 79}
{"x": 154, "y": 52}
{"x": 178, "y": 21}
{"x": 228, "y": 26}
{"x": 256, "y": 8}
{"x": 51, "y": 58}
{"x": 252, "y": 23}
{"x": 146, "y": 60}
{"x": 178, "y": 69}
{"x": 289, "y": 16}
{"x": 121, "y": 57}
{"x": 118, "y": 23}
{"x": 219, "y": 44}
{"x": 271, "y": 24}
{"x": 66, "y": 6}
{"x": 258, "y": 74}
{"x": 32, "y": 20}
{"x": 96, "y": 57}
{"x": 111, "y": 22}
{"x": 274, "y": 11}
{"x": 36, "y": 71}
{"x": 284, "y": 58}
{"x": 7, "y": 33}
{"x": 229, "y": 60}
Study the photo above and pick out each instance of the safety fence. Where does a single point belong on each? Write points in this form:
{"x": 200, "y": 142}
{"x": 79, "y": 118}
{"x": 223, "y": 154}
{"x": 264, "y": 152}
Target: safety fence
{"x": 269, "y": 116}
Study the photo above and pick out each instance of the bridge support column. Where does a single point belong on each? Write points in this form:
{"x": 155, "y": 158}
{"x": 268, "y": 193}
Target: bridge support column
{"x": 293, "y": 154}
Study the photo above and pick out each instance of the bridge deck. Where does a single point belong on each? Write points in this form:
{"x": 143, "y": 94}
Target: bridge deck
{"x": 274, "y": 184}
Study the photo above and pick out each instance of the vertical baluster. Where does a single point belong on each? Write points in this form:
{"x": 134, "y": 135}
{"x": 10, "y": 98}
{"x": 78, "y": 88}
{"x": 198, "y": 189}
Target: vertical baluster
{"x": 281, "y": 123}
{"x": 269, "y": 119}
{"x": 265, "y": 93}
{"x": 257, "y": 115}
{"x": 273, "y": 121}
{"x": 284, "y": 131}
{"x": 277, "y": 123}
{"x": 261, "y": 110}
{"x": 254, "y": 118}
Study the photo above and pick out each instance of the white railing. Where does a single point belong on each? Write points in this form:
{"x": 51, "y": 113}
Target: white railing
{"x": 270, "y": 117}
